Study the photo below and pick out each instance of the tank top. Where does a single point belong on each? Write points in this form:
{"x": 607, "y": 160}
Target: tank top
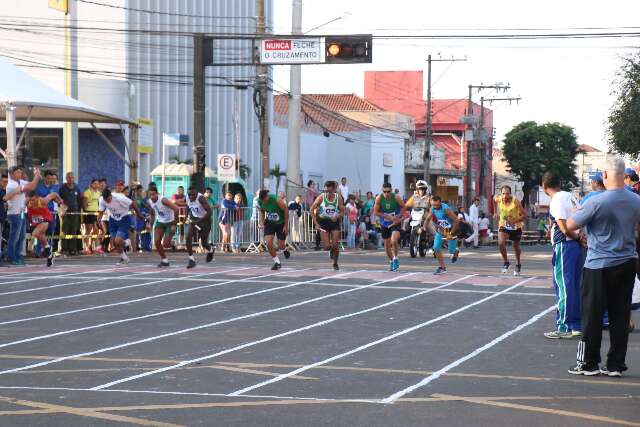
{"x": 389, "y": 207}
{"x": 509, "y": 213}
{"x": 272, "y": 212}
{"x": 441, "y": 217}
{"x": 328, "y": 209}
{"x": 164, "y": 213}
{"x": 38, "y": 211}
{"x": 195, "y": 208}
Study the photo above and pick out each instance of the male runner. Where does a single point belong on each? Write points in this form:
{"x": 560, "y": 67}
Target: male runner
{"x": 511, "y": 215}
{"x": 568, "y": 260}
{"x": 388, "y": 207}
{"x": 327, "y": 211}
{"x": 200, "y": 221}
{"x": 163, "y": 214}
{"x": 119, "y": 220}
{"x": 446, "y": 229}
{"x": 274, "y": 218}
{"x": 40, "y": 217}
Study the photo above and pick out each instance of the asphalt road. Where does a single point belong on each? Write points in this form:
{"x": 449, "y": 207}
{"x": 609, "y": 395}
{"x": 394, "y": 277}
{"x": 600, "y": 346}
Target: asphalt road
{"x": 233, "y": 343}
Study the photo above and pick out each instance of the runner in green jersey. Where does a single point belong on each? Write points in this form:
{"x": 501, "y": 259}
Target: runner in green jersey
{"x": 274, "y": 218}
{"x": 327, "y": 212}
{"x": 388, "y": 207}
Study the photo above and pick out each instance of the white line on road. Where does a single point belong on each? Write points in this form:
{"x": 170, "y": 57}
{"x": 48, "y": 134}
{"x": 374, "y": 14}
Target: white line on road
{"x": 376, "y": 342}
{"x": 450, "y": 366}
{"x": 102, "y": 291}
{"x": 153, "y": 338}
{"x": 57, "y": 276}
{"x": 283, "y": 334}
{"x": 129, "y": 319}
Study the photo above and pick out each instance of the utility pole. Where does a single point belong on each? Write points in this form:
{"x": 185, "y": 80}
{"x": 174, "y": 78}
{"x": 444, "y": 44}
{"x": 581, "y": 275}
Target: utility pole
{"x": 470, "y": 135}
{"x": 293, "y": 147}
{"x": 197, "y": 179}
{"x": 70, "y": 136}
{"x": 428, "y": 128}
{"x": 262, "y": 88}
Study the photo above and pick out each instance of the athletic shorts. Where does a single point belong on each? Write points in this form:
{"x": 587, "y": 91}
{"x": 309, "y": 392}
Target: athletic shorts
{"x": 165, "y": 227}
{"x": 387, "y": 232}
{"x": 329, "y": 225}
{"x": 89, "y": 219}
{"x": 513, "y": 235}
{"x": 120, "y": 228}
{"x": 271, "y": 229}
{"x": 438, "y": 242}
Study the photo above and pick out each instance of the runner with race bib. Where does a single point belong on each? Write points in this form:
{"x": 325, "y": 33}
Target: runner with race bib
{"x": 387, "y": 207}
{"x": 119, "y": 220}
{"x": 39, "y": 218}
{"x": 274, "y": 218}
{"x": 199, "y": 225}
{"x": 446, "y": 229}
{"x": 163, "y": 218}
{"x": 327, "y": 212}
{"x": 511, "y": 217}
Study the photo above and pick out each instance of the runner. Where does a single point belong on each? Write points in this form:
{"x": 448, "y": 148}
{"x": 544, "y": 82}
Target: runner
{"x": 327, "y": 211}
{"x": 511, "y": 216}
{"x": 199, "y": 224}
{"x": 387, "y": 207}
{"x": 119, "y": 220}
{"x": 163, "y": 214}
{"x": 446, "y": 223}
{"x": 567, "y": 261}
{"x": 40, "y": 217}
{"x": 274, "y": 218}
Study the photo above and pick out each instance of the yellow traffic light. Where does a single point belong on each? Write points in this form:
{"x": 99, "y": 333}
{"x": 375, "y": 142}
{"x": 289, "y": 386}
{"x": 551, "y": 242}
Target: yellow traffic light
{"x": 334, "y": 49}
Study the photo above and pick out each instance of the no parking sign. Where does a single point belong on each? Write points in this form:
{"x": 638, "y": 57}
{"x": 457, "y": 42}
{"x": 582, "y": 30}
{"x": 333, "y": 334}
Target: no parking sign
{"x": 227, "y": 167}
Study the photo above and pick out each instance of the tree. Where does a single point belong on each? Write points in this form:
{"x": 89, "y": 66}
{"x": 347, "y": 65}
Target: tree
{"x": 624, "y": 119}
{"x": 277, "y": 174}
{"x": 531, "y": 149}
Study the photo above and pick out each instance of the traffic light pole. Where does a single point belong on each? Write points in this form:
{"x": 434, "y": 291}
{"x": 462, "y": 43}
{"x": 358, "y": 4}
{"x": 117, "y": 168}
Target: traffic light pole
{"x": 293, "y": 183}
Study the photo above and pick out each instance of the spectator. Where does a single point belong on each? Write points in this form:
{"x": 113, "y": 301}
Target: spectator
{"x": 483, "y": 228}
{"x": 542, "y": 230}
{"x": 46, "y": 187}
{"x": 311, "y": 194}
{"x": 352, "y": 218}
{"x": 238, "y": 223}
{"x": 296, "y": 206}
{"x": 90, "y": 200}
{"x": 72, "y": 198}
{"x": 474, "y": 218}
{"x": 16, "y": 188}
{"x": 225, "y": 220}
{"x": 631, "y": 180}
{"x": 208, "y": 194}
{"x": 343, "y": 189}
{"x": 609, "y": 272}
{"x": 102, "y": 184}
{"x": 3, "y": 213}
{"x": 282, "y": 195}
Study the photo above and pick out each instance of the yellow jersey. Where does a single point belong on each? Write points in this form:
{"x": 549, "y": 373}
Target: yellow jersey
{"x": 509, "y": 214}
{"x": 92, "y": 197}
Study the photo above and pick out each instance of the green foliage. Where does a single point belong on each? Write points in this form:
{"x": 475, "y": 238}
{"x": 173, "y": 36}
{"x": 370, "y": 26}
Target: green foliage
{"x": 531, "y": 149}
{"x": 624, "y": 120}
{"x": 277, "y": 174}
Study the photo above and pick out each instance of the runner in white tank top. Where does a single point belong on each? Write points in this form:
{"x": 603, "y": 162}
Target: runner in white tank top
{"x": 163, "y": 215}
{"x": 199, "y": 224}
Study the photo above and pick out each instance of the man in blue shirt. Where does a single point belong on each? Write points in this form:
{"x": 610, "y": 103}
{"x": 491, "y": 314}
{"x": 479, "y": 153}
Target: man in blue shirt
{"x": 597, "y": 186}
{"x": 609, "y": 222}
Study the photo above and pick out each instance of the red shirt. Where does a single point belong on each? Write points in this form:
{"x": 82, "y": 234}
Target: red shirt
{"x": 38, "y": 211}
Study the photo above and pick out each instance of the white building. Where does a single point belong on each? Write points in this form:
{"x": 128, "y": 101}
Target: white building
{"x": 344, "y": 135}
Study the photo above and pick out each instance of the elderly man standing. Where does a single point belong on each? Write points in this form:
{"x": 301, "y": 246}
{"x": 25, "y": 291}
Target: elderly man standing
{"x": 609, "y": 221}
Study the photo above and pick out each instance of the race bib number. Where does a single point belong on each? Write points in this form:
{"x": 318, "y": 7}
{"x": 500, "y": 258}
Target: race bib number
{"x": 443, "y": 223}
{"x": 273, "y": 216}
{"x": 196, "y": 211}
{"x": 330, "y": 211}
{"x": 509, "y": 226}
{"x": 37, "y": 219}
{"x": 162, "y": 215}
{"x": 117, "y": 217}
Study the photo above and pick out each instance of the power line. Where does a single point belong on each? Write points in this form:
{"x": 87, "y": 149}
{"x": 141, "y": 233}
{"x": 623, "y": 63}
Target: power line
{"x": 154, "y": 12}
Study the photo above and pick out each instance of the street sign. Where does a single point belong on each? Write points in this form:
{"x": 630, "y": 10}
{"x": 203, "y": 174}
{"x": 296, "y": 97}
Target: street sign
{"x": 145, "y": 135}
{"x": 292, "y": 51}
{"x": 227, "y": 167}
{"x": 61, "y": 5}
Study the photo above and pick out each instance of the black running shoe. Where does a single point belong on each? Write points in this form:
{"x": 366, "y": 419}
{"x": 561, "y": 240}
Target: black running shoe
{"x": 163, "y": 264}
{"x": 287, "y": 254}
{"x": 505, "y": 267}
{"x": 50, "y": 259}
{"x": 335, "y": 266}
{"x": 516, "y": 272}
{"x": 210, "y": 254}
{"x": 276, "y": 266}
{"x": 191, "y": 264}
{"x": 455, "y": 256}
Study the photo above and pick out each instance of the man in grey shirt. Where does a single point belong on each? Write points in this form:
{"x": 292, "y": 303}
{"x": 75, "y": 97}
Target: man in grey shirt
{"x": 609, "y": 222}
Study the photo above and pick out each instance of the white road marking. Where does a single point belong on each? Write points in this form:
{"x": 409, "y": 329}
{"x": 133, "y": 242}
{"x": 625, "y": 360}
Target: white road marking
{"x": 376, "y": 342}
{"x": 129, "y": 319}
{"x": 57, "y": 276}
{"x": 284, "y": 334}
{"x": 195, "y": 328}
{"x": 450, "y": 366}
{"x": 101, "y": 291}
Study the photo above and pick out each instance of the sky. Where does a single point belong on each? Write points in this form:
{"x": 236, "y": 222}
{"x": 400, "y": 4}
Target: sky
{"x": 567, "y": 81}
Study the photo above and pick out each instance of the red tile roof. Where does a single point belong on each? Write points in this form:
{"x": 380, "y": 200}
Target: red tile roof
{"x": 588, "y": 149}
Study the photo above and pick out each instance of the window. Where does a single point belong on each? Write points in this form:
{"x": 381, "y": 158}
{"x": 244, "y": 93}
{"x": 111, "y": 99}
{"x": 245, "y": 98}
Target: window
{"x": 387, "y": 177}
{"x": 44, "y": 152}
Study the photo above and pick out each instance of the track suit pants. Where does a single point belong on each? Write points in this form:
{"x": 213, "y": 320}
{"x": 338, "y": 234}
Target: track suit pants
{"x": 567, "y": 262}
{"x": 606, "y": 289}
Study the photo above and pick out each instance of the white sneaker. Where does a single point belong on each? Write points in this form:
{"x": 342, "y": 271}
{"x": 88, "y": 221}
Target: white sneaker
{"x": 123, "y": 261}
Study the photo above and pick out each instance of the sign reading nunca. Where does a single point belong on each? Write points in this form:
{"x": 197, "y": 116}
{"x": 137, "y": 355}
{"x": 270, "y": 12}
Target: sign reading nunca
{"x": 292, "y": 51}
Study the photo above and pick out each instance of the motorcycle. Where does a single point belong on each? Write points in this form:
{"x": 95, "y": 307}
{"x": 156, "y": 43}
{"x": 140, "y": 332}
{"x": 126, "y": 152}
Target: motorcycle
{"x": 417, "y": 236}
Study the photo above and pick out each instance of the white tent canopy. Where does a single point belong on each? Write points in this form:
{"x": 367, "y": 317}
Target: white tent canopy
{"x": 35, "y": 101}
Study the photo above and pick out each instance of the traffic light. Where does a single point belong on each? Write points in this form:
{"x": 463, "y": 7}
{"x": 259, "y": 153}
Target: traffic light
{"x": 348, "y": 49}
